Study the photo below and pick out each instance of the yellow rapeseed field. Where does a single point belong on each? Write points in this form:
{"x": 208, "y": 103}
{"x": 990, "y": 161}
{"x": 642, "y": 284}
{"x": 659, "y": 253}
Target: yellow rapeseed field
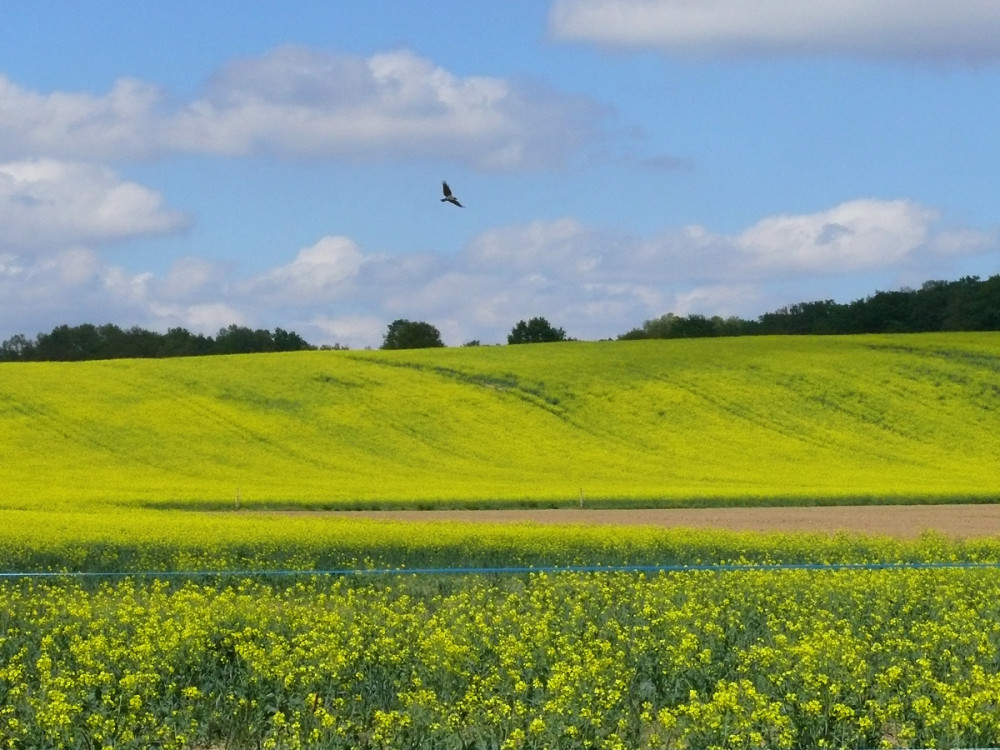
{"x": 135, "y": 540}
{"x": 801, "y": 418}
{"x": 133, "y": 614}
{"x": 700, "y": 660}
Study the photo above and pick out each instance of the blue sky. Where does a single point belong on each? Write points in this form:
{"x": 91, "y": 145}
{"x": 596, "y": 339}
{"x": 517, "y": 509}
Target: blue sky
{"x": 278, "y": 165}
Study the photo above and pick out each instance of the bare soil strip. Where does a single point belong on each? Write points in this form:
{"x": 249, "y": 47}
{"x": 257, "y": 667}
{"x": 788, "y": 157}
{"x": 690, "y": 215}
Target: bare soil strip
{"x": 959, "y": 521}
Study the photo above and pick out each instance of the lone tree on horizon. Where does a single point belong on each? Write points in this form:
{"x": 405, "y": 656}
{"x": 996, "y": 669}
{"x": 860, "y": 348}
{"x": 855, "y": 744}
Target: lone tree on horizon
{"x": 409, "y": 334}
{"x": 535, "y": 331}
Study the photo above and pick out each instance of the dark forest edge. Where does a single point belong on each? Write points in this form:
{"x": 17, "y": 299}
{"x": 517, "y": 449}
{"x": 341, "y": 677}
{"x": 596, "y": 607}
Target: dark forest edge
{"x": 969, "y": 304}
{"x": 72, "y": 343}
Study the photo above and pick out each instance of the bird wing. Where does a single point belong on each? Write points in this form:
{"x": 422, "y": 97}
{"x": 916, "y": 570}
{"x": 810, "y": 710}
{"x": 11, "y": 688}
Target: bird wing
{"x": 447, "y": 190}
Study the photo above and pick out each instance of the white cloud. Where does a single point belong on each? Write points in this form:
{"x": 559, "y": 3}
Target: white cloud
{"x": 47, "y": 203}
{"x": 860, "y": 234}
{"x": 351, "y": 330}
{"x": 298, "y": 102}
{"x": 120, "y": 124}
{"x": 301, "y": 102}
{"x": 205, "y": 318}
{"x": 963, "y": 30}
{"x": 717, "y": 299}
{"x": 864, "y": 235}
{"x": 37, "y": 293}
{"x": 960, "y": 242}
{"x": 316, "y": 274}
{"x": 187, "y": 277}
{"x": 592, "y": 281}
{"x": 127, "y": 289}
{"x": 27, "y": 279}
{"x": 561, "y": 245}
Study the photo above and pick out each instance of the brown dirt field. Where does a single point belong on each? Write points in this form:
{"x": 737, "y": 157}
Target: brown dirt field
{"x": 959, "y": 521}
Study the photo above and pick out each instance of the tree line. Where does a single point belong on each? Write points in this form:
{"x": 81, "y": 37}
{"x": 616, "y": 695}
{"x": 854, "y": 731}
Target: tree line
{"x": 70, "y": 343}
{"x": 969, "y": 304}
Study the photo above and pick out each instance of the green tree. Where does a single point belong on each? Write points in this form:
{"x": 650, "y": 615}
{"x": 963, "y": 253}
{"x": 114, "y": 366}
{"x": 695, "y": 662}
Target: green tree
{"x": 108, "y": 341}
{"x": 16, "y": 348}
{"x": 289, "y": 341}
{"x": 657, "y": 328}
{"x": 409, "y": 334}
{"x": 536, "y": 330}
{"x": 67, "y": 343}
{"x": 242, "y": 340}
{"x": 180, "y": 342}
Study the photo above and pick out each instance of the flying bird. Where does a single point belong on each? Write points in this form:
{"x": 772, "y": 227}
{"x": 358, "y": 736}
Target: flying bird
{"x": 448, "y": 196}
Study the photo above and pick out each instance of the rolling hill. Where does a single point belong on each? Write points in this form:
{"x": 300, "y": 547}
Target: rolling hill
{"x": 756, "y": 419}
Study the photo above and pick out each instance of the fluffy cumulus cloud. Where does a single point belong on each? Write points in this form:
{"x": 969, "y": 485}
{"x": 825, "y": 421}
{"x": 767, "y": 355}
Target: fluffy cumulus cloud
{"x": 318, "y": 274}
{"x": 968, "y": 30}
{"x": 123, "y": 123}
{"x": 76, "y": 285}
{"x": 349, "y": 330}
{"x": 858, "y": 235}
{"x": 205, "y": 317}
{"x": 62, "y": 205}
{"x": 299, "y": 102}
{"x": 541, "y": 247}
{"x": 39, "y": 292}
{"x": 592, "y": 281}
{"x": 597, "y": 282}
{"x": 46, "y": 203}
